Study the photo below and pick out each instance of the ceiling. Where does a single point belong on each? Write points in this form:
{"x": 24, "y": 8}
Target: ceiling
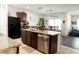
{"x": 49, "y": 8}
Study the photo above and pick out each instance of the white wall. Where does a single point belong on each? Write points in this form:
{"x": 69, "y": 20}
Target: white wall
{"x": 32, "y": 18}
{"x": 3, "y": 19}
{"x": 66, "y": 27}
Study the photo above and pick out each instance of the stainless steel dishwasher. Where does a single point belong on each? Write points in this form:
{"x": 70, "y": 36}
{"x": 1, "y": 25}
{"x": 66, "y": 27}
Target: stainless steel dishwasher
{"x": 43, "y": 43}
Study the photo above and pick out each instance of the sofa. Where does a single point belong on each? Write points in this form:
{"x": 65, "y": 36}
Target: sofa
{"x": 74, "y": 32}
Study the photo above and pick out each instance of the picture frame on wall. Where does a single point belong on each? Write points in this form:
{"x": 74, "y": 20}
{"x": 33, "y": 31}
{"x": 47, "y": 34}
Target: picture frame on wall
{"x": 73, "y": 22}
{"x": 63, "y": 21}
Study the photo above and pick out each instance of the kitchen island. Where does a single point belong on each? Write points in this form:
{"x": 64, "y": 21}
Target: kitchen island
{"x": 31, "y": 37}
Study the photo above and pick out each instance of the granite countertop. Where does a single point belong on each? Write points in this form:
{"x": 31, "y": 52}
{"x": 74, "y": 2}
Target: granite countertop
{"x": 46, "y": 32}
{"x": 6, "y": 42}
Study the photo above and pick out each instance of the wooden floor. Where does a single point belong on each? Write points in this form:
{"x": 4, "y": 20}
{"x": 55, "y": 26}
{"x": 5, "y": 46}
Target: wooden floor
{"x": 70, "y": 41}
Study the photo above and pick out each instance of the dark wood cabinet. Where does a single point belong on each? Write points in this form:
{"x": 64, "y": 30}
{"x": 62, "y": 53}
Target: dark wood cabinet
{"x": 53, "y": 42}
{"x": 29, "y": 38}
{"x": 23, "y": 36}
{"x": 26, "y": 37}
{"x": 34, "y": 40}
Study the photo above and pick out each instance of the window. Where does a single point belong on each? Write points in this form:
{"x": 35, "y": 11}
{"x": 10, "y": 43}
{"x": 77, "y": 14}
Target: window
{"x": 55, "y": 23}
{"x": 51, "y": 22}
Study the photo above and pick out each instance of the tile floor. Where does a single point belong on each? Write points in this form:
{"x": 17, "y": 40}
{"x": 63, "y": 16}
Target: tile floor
{"x": 70, "y": 41}
{"x": 25, "y": 49}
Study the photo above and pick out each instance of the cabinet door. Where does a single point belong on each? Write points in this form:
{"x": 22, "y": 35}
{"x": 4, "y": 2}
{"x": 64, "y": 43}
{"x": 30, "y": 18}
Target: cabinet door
{"x": 34, "y": 37}
{"x": 23, "y": 37}
{"x": 53, "y": 44}
{"x": 28, "y": 38}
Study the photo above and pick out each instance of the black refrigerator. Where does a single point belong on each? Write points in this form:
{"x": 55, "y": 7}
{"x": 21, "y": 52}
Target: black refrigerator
{"x": 14, "y": 28}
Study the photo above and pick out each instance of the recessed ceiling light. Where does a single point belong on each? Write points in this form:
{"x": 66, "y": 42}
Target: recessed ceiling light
{"x": 50, "y": 10}
{"x": 46, "y": 11}
{"x": 27, "y": 7}
{"x": 39, "y": 7}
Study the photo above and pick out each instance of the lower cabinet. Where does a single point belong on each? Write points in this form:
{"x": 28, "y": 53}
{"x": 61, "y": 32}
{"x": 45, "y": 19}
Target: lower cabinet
{"x": 30, "y": 38}
{"x": 53, "y": 44}
{"x": 34, "y": 40}
{"x": 23, "y": 35}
